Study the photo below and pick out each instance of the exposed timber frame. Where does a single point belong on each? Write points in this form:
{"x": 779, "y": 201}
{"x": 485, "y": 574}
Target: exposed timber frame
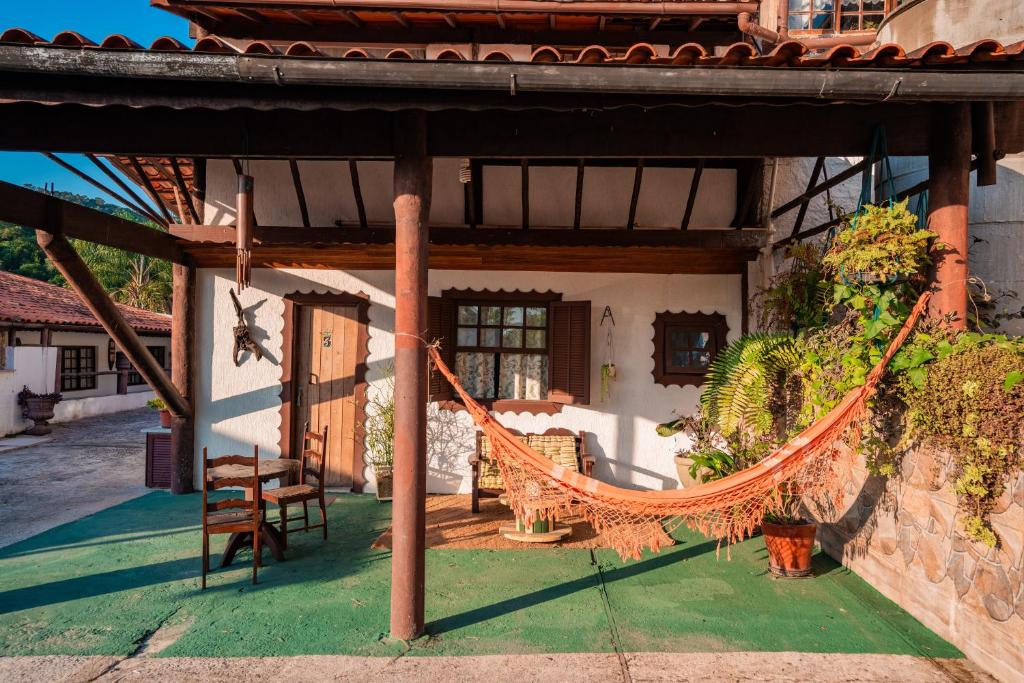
{"x": 29, "y": 208}
{"x": 73, "y": 268}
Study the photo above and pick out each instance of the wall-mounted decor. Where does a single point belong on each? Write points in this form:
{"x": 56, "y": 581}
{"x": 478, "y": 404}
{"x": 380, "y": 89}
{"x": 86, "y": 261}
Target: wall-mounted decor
{"x": 243, "y": 337}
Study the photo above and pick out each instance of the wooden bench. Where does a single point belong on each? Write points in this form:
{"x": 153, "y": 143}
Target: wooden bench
{"x": 560, "y": 445}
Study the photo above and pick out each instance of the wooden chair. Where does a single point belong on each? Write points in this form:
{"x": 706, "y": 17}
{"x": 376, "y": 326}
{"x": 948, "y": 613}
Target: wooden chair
{"x": 232, "y": 515}
{"x": 313, "y": 463}
{"x": 560, "y": 445}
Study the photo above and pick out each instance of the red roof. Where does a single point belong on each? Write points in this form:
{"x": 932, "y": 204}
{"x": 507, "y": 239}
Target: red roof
{"x": 24, "y": 300}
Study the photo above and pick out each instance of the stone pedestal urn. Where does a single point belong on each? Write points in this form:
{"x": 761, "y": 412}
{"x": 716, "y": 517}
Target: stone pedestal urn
{"x": 39, "y": 409}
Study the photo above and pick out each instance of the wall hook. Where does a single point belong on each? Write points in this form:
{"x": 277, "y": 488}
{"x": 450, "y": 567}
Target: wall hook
{"x": 607, "y": 315}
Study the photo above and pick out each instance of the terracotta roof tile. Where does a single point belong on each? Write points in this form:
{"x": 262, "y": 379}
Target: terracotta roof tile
{"x": 791, "y": 53}
{"x": 24, "y": 300}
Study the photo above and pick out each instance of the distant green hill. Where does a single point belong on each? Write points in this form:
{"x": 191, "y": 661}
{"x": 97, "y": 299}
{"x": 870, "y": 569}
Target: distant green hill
{"x": 132, "y": 279}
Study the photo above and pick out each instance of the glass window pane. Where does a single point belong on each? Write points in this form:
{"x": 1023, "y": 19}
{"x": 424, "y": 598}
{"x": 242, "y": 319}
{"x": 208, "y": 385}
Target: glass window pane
{"x": 799, "y": 22}
{"x": 678, "y": 339}
{"x": 699, "y": 340}
{"x": 681, "y": 359}
{"x": 871, "y": 21}
{"x": 799, "y": 5}
{"x": 850, "y": 5}
{"x": 467, "y": 336}
{"x": 701, "y": 358}
{"x": 536, "y": 339}
{"x": 476, "y": 373}
{"x": 514, "y": 315}
{"x": 536, "y": 316}
{"x": 490, "y": 337}
{"x": 874, "y": 5}
{"x": 467, "y": 315}
{"x": 824, "y": 5}
{"x": 849, "y": 22}
{"x": 523, "y": 376}
{"x": 824, "y": 21}
{"x": 490, "y": 315}
{"x": 512, "y": 338}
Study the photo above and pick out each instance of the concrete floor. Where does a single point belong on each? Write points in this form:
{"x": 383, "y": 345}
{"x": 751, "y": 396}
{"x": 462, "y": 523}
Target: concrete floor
{"x": 557, "y": 668}
{"x": 86, "y": 466}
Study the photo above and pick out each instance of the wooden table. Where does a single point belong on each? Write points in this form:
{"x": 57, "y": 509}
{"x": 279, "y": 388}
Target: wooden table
{"x": 270, "y": 469}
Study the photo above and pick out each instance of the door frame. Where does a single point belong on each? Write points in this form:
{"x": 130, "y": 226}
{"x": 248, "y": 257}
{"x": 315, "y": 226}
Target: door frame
{"x": 291, "y": 344}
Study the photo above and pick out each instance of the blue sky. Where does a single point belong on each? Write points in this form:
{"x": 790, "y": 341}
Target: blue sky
{"x": 95, "y": 19}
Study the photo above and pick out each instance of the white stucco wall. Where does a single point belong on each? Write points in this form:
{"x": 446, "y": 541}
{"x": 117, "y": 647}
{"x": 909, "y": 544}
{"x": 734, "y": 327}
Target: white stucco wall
{"x": 36, "y": 367}
{"x": 237, "y": 407}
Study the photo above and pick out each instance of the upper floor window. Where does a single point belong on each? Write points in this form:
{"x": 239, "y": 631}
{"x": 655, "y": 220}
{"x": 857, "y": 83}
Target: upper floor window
{"x": 828, "y": 16}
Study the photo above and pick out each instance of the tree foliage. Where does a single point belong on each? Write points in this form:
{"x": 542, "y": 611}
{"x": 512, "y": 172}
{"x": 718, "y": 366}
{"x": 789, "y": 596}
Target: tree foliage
{"x": 131, "y": 279}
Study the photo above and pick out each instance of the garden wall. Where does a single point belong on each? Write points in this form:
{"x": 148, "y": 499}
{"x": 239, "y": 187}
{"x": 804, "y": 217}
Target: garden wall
{"x": 901, "y": 536}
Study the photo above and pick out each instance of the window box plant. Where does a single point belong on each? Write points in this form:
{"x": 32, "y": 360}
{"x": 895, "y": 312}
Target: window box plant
{"x": 165, "y": 414}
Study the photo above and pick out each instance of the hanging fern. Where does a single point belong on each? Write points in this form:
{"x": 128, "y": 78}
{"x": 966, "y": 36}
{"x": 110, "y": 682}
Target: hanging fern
{"x": 742, "y": 380}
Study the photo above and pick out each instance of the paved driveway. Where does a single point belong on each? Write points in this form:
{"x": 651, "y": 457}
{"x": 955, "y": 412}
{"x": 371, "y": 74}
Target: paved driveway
{"x": 89, "y": 465}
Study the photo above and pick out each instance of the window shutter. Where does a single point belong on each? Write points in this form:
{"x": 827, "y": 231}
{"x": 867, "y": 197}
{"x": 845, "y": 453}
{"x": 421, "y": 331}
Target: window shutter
{"x": 440, "y": 320}
{"x": 569, "y": 360}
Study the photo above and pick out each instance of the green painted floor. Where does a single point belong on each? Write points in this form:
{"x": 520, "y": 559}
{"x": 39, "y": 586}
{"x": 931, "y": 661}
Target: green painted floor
{"x": 102, "y": 584}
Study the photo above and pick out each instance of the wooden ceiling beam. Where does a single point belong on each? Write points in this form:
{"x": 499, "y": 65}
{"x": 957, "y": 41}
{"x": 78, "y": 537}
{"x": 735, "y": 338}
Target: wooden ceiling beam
{"x": 691, "y": 198}
{"x": 634, "y": 200}
{"x": 147, "y": 185}
{"x": 578, "y": 214}
{"x": 402, "y": 20}
{"x": 137, "y": 208}
{"x": 819, "y": 164}
{"x": 300, "y": 194}
{"x": 357, "y": 192}
{"x": 146, "y": 210}
{"x": 482, "y": 235}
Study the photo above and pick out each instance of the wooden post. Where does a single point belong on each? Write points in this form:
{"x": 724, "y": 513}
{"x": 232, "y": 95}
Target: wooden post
{"x": 123, "y": 367}
{"x": 182, "y": 374}
{"x": 92, "y": 294}
{"x": 949, "y": 168}
{"x": 413, "y": 171}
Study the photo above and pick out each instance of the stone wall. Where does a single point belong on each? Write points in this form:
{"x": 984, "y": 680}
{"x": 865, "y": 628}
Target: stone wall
{"x": 902, "y": 536}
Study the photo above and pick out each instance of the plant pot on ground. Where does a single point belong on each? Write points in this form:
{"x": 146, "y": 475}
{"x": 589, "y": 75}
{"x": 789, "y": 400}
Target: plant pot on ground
{"x": 385, "y": 483}
{"x": 790, "y": 545}
{"x": 165, "y": 414}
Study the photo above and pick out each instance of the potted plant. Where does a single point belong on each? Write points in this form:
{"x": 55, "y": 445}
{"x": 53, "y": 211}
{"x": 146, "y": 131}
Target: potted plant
{"x": 607, "y": 375}
{"x": 789, "y": 537}
{"x": 379, "y": 429}
{"x": 165, "y": 414}
{"x": 708, "y": 458}
{"x": 39, "y": 409}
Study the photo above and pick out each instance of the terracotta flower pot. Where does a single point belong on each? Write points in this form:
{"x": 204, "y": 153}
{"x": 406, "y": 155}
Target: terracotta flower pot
{"x": 683, "y": 471}
{"x": 789, "y": 548}
{"x": 165, "y": 419}
{"x": 385, "y": 483}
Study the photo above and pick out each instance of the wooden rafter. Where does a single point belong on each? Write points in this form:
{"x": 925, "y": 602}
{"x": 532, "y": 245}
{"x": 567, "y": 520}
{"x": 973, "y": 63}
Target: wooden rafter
{"x": 402, "y": 20}
{"x": 748, "y": 188}
{"x": 300, "y": 194}
{"x": 183, "y": 188}
{"x": 99, "y": 186}
{"x": 819, "y": 165}
{"x": 351, "y": 18}
{"x": 353, "y": 171}
{"x": 691, "y": 198}
{"x": 525, "y": 197}
{"x": 127, "y": 189}
{"x": 147, "y": 185}
{"x": 578, "y": 214}
{"x": 818, "y": 189}
{"x": 634, "y": 199}
{"x": 297, "y": 16}
{"x": 451, "y": 20}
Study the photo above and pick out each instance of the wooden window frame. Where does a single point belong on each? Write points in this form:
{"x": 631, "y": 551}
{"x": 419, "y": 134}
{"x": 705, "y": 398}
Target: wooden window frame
{"x": 474, "y": 297}
{"x": 83, "y": 381}
{"x": 837, "y": 17}
{"x": 713, "y": 323}
{"x": 137, "y": 380}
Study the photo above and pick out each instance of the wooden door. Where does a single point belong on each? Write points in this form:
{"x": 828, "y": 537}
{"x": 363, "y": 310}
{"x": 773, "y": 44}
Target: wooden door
{"x": 326, "y": 377}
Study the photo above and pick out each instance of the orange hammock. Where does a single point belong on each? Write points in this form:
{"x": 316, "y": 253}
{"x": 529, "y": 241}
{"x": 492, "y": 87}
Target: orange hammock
{"x": 728, "y": 509}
